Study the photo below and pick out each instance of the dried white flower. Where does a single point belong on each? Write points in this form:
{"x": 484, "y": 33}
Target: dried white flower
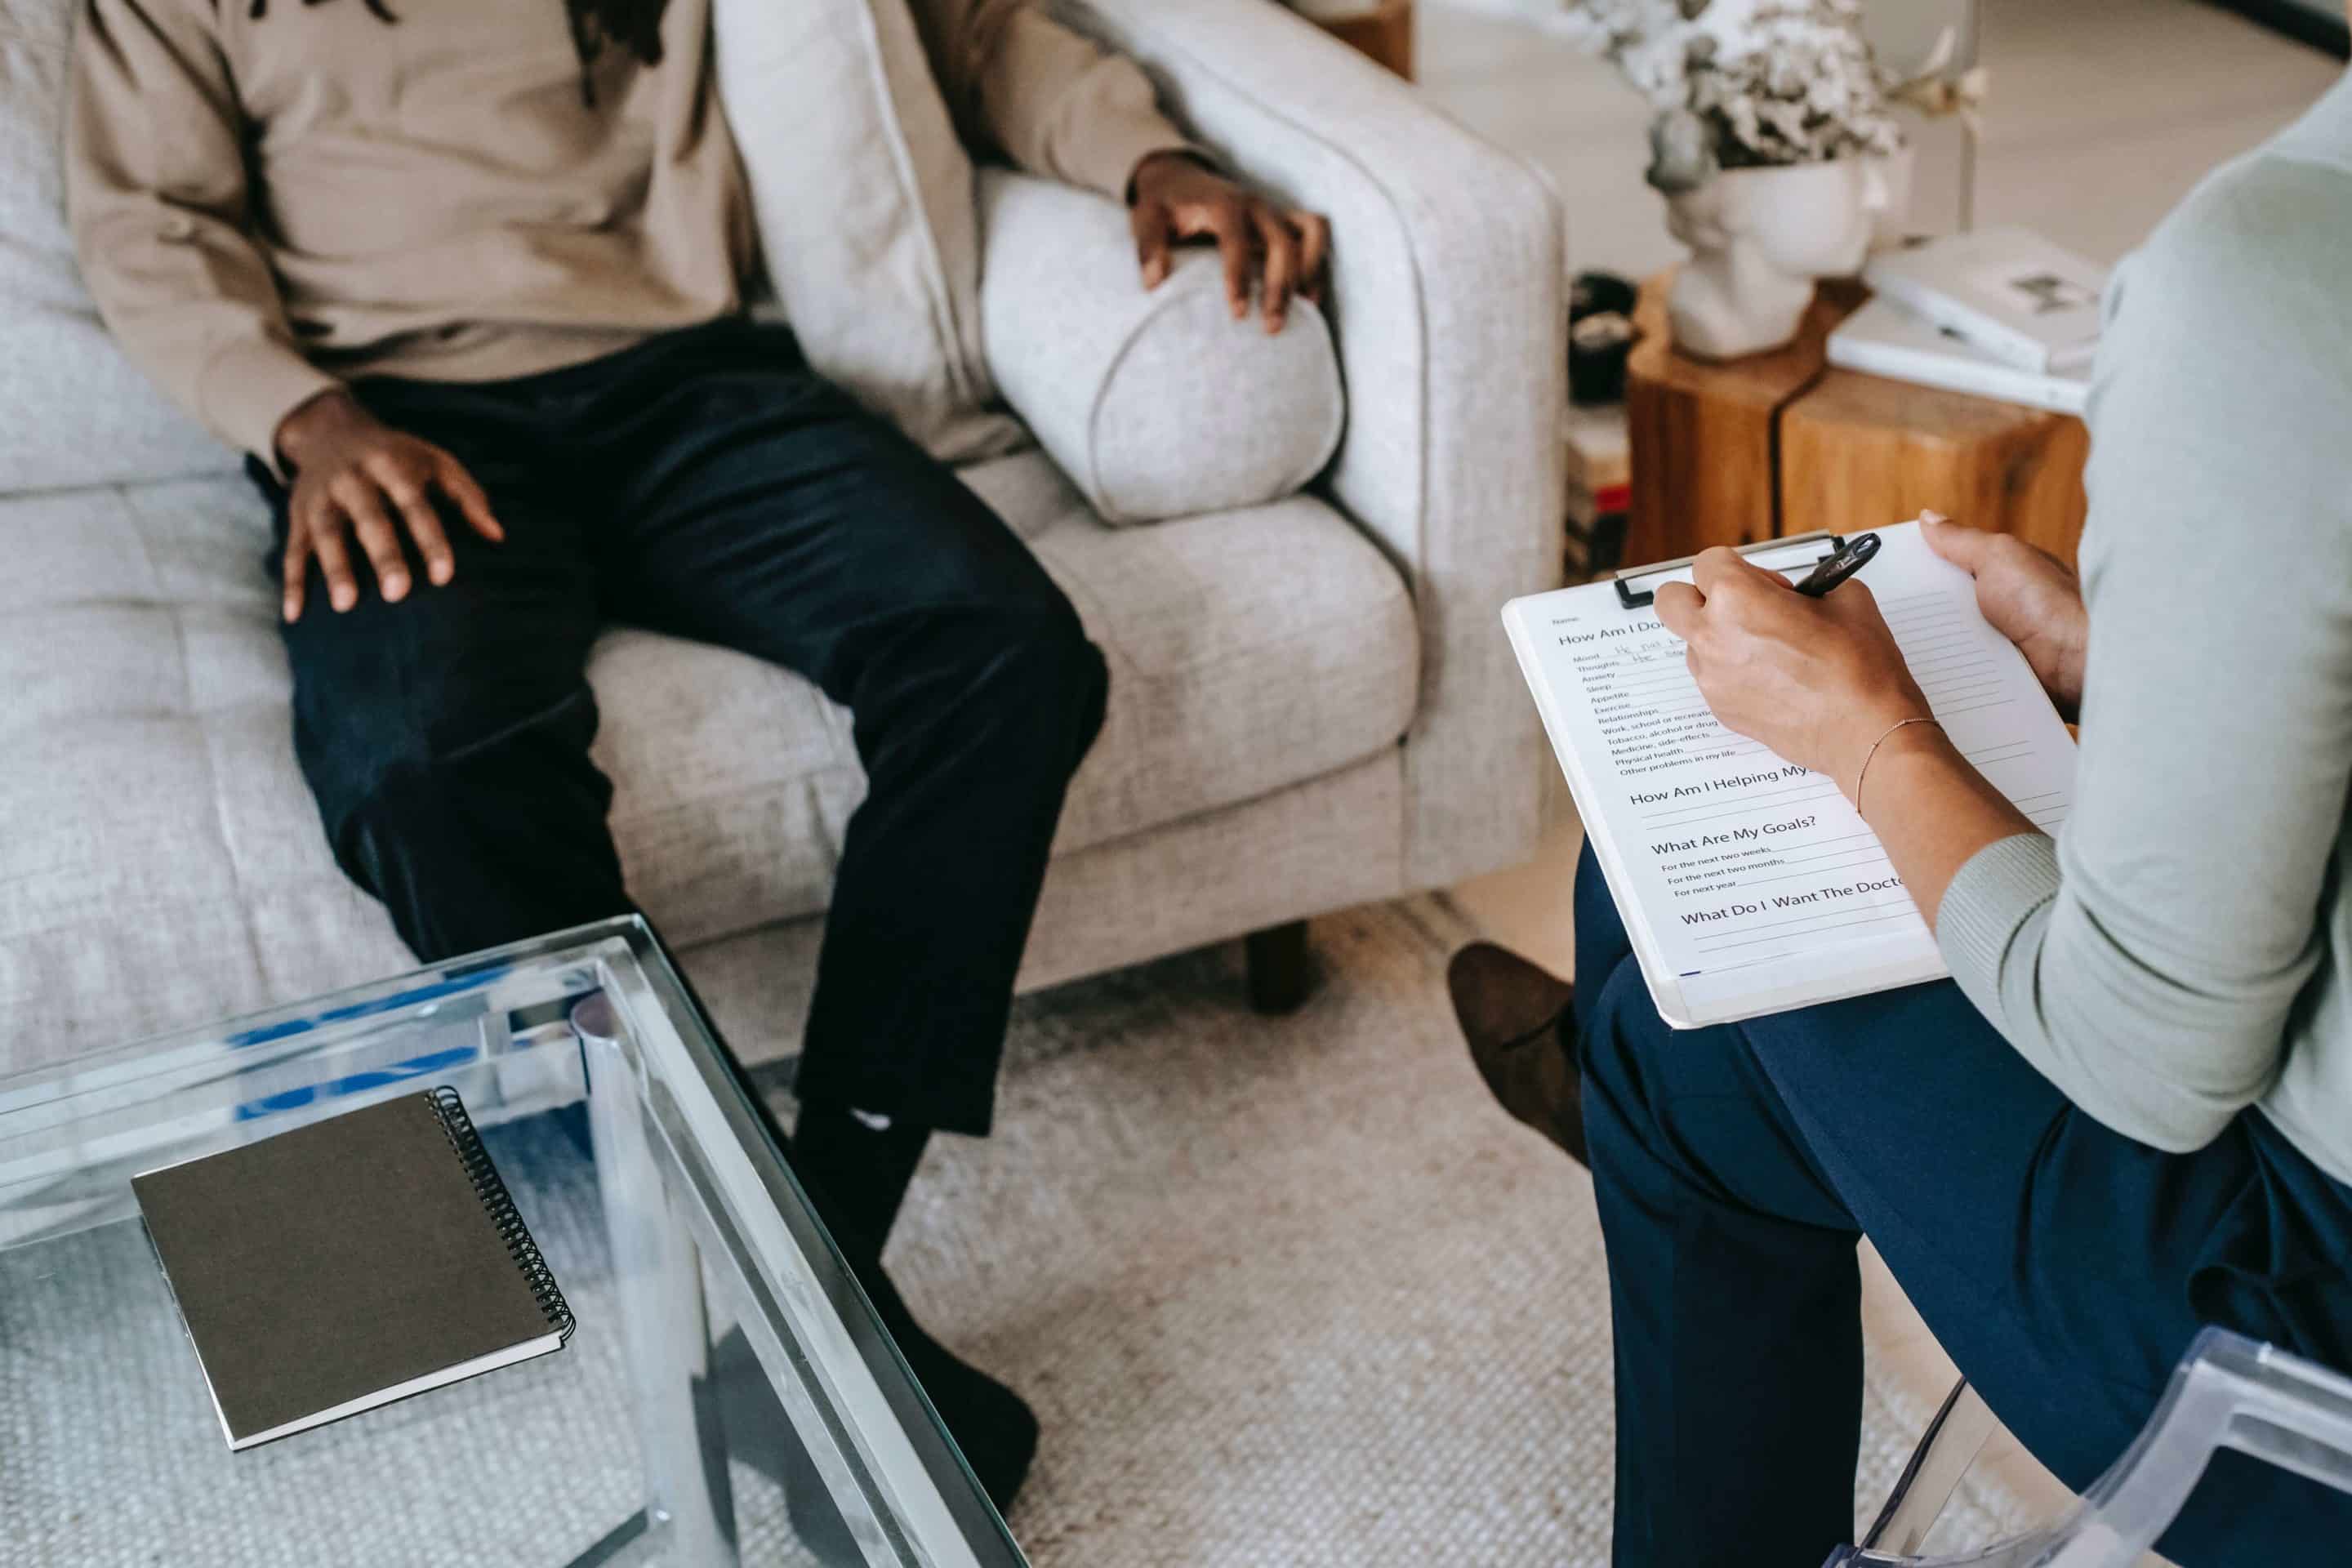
{"x": 1767, "y": 81}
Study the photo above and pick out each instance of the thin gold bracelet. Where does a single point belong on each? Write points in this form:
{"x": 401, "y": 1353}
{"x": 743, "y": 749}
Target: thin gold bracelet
{"x": 1864, "y": 772}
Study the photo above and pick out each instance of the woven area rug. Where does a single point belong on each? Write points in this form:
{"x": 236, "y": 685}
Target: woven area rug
{"x": 1286, "y": 1292}
{"x": 1292, "y": 1291}
{"x": 111, "y": 1456}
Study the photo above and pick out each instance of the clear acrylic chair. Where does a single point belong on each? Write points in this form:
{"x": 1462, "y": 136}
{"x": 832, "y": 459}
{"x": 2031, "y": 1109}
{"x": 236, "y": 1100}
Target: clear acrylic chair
{"x": 2229, "y": 1391}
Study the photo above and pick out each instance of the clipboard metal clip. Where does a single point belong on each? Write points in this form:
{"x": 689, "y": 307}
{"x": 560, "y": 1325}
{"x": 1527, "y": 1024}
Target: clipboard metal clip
{"x": 1816, "y": 546}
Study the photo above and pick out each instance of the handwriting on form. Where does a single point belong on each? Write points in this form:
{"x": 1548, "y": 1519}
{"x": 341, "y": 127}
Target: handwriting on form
{"x": 1650, "y": 649}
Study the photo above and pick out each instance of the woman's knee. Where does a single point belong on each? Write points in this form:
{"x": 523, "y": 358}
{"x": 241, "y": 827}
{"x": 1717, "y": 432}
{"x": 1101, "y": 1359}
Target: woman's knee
{"x": 1615, "y": 1045}
{"x": 1601, "y": 944}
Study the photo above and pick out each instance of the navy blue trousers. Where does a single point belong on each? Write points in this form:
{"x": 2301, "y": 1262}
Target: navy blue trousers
{"x": 708, "y": 483}
{"x": 2063, "y": 1266}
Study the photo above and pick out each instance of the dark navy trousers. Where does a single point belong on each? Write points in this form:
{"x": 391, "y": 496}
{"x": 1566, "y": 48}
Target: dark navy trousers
{"x": 708, "y": 483}
{"x": 2064, "y": 1265}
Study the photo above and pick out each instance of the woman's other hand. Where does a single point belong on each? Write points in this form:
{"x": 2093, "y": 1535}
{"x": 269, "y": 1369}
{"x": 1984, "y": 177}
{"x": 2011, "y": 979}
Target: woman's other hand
{"x": 2031, "y": 598}
{"x": 1818, "y": 680}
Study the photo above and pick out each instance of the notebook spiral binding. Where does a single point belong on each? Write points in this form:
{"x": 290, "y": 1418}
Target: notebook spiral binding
{"x": 500, "y": 1204}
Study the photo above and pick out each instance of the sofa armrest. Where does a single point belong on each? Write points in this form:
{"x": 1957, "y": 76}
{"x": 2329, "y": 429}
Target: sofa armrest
{"x": 1448, "y": 300}
{"x": 1156, "y": 403}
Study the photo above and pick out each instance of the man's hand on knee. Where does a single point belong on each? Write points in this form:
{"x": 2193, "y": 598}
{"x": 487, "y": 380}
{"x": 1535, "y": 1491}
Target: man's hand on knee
{"x": 1278, "y": 250}
{"x": 352, "y": 473}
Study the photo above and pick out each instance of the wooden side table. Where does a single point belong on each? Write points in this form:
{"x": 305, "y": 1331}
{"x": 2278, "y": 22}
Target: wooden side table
{"x": 1781, "y": 443}
{"x": 1385, "y": 33}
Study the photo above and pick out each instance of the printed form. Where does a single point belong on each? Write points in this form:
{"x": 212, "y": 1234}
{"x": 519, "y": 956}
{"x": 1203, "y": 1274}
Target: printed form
{"x": 1749, "y": 885}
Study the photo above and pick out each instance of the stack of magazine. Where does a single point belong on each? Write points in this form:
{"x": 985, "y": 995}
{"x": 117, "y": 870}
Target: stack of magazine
{"x": 2001, "y": 313}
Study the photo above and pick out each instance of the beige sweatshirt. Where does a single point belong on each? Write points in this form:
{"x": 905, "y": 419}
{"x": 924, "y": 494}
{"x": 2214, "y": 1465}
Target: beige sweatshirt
{"x": 264, "y": 206}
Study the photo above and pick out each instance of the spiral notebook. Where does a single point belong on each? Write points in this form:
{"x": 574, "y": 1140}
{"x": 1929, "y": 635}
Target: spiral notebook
{"x": 349, "y": 1263}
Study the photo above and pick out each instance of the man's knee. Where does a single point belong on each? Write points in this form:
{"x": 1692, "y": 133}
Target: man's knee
{"x": 1038, "y": 668}
{"x": 407, "y": 808}
{"x": 1073, "y": 669}
{"x": 412, "y": 785}
{"x": 487, "y": 848}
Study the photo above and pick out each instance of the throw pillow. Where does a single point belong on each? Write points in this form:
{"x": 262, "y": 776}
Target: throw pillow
{"x": 1156, "y": 404}
{"x": 863, "y": 197}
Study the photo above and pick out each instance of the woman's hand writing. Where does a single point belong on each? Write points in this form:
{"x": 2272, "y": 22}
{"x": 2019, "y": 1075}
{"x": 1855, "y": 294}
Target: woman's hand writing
{"x": 1817, "y": 681}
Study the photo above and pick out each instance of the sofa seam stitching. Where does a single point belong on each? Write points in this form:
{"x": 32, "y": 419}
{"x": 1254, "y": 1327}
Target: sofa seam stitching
{"x": 205, "y": 734}
{"x": 942, "y": 311}
{"x": 1134, "y": 335}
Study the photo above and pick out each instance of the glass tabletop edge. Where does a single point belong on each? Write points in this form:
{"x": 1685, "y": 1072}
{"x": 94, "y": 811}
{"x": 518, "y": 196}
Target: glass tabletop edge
{"x": 952, "y": 1525}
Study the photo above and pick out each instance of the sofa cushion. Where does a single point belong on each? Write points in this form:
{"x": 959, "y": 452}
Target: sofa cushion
{"x": 162, "y": 864}
{"x": 835, "y": 113}
{"x": 1157, "y": 404}
{"x": 77, "y": 411}
{"x": 1248, "y": 649}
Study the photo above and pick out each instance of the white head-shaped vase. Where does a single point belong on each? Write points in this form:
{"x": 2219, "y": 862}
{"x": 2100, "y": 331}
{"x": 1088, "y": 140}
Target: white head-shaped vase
{"x": 1760, "y": 238}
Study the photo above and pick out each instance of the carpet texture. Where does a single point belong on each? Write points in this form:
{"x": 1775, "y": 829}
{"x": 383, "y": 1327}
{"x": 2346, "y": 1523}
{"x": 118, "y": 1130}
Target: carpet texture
{"x": 1292, "y": 1291}
{"x": 1286, "y": 1292}
{"x": 111, "y": 1455}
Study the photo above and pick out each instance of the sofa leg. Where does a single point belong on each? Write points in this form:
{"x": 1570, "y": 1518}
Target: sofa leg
{"x": 1278, "y": 968}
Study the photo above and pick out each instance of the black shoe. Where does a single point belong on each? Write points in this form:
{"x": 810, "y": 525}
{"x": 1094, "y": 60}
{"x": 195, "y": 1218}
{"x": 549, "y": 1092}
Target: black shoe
{"x": 1516, "y": 1018}
{"x": 760, "y": 1433}
{"x": 992, "y": 1426}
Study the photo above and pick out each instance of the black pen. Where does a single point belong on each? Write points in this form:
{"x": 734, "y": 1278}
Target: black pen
{"x": 1835, "y": 569}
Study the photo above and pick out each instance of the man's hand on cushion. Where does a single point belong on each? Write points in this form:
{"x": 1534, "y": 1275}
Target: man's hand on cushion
{"x": 1276, "y": 250}
{"x": 352, "y": 476}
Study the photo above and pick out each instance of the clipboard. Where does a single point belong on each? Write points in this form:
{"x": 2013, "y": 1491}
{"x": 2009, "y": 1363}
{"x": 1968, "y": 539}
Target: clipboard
{"x": 1745, "y": 883}
{"x": 1815, "y": 547}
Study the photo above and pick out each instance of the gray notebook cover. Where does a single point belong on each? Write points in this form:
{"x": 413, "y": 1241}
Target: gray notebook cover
{"x": 348, "y": 1263}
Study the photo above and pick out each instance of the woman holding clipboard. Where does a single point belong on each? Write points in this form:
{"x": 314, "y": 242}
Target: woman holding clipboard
{"x": 2129, "y": 1114}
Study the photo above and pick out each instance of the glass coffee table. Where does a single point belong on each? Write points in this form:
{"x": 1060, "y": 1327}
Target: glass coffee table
{"x": 727, "y": 1397}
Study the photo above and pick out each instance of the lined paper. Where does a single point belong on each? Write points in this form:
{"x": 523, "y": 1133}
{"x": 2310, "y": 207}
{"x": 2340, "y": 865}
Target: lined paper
{"x": 1748, "y": 884}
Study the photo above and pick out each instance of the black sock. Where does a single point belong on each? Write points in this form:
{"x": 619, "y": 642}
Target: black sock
{"x": 857, "y": 1172}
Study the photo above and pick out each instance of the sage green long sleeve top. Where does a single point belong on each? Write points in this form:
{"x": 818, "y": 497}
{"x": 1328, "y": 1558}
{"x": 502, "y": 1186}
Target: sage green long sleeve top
{"x": 2180, "y": 952}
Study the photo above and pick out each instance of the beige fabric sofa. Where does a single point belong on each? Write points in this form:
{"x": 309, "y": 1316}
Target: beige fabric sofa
{"x": 1312, "y": 706}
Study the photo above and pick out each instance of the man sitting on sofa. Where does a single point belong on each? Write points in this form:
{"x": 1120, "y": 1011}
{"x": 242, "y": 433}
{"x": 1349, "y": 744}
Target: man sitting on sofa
{"x": 466, "y": 282}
